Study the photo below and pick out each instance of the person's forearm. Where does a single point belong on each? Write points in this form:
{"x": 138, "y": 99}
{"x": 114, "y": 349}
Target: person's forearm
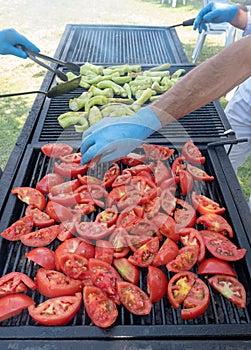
{"x": 240, "y": 19}
{"x": 206, "y": 82}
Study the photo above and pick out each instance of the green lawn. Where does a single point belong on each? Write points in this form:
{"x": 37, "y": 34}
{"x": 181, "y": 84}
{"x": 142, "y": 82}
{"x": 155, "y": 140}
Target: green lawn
{"x": 44, "y": 21}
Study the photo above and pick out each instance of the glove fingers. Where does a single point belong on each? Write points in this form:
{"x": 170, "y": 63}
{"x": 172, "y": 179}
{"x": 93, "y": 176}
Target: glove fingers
{"x": 12, "y": 50}
{"x": 86, "y": 144}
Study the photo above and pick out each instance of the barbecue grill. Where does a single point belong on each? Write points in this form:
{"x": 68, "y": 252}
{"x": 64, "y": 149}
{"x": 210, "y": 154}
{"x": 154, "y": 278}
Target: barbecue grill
{"x": 223, "y": 326}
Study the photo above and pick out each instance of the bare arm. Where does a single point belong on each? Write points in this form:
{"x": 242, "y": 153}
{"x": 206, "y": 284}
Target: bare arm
{"x": 206, "y": 82}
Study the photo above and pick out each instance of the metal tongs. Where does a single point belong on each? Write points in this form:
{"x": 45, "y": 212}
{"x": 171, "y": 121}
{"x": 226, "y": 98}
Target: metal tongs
{"x": 69, "y": 65}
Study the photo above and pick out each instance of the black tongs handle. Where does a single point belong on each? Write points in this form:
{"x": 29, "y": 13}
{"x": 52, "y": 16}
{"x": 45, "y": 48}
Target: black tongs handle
{"x": 188, "y": 22}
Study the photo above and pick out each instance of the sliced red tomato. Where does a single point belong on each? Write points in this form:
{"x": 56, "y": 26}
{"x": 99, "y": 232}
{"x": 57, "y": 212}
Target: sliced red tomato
{"x": 74, "y": 266}
{"x": 157, "y": 152}
{"x": 135, "y": 242}
{"x": 134, "y": 298}
{"x": 42, "y": 256}
{"x": 104, "y": 276}
{"x": 196, "y": 301}
{"x": 65, "y": 187}
{"x": 51, "y": 283}
{"x": 192, "y": 153}
{"x": 230, "y": 288}
{"x": 135, "y": 170}
{"x": 104, "y": 250}
{"x": 99, "y": 307}
{"x": 198, "y": 173}
{"x": 18, "y": 229}
{"x": 205, "y": 205}
{"x": 179, "y": 286}
{"x": 56, "y": 150}
{"x": 127, "y": 270}
{"x": 111, "y": 174}
{"x": 119, "y": 242}
{"x": 167, "y": 252}
{"x": 30, "y": 196}
{"x": 59, "y": 212}
{"x": 67, "y": 199}
{"x": 142, "y": 227}
{"x": 89, "y": 180}
{"x": 156, "y": 283}
{"x": 145, "y": 254}
{"x": 108, "y": 216}
{"x": 13, "y": 305}
{"x": 161, "y": 173}
{"x": 93, "y": 230}
{"x": 71, "y": 158}
{"x": 166, "y": 226}
{"x": 168, "y": 201}
{"x": 129, "y": 215}
{"x": 74, "y": 245}
{"x": 152, "y": 208}
{"x": 133, "y": 159}
{"x": 214, "y": 266}
{"x": 115, "y": 195}
{"x": 184, "y": 214}
{"x": 185, "y": 260}
{"x": 41, "y": 237}
{"x": 191, "y": 237}
{"x": 70, "y": 170}
{"x": 222, "y": 248}
{"x": 177, "y": 165}
{"x": 40, "y": 218}
{"x": 57, "y": 311}
{"x": 215, "y": 222}
{"x": 15, "y": 282}
{"x": 123, "y": 179}
{"x": 66, "y": 230}
{"x": 186, "y": 182}
{"x": 48, "y": 181}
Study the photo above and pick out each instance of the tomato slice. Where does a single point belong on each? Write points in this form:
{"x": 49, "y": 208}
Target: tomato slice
{"x": 156, "y": 283}
{"x": 67, "y": 199}
{"x": 119, "y": 242}
{"x": 214, "y": 266}
{"x": 42, "y": 256}
{"x": 215, "y": 222}
{"x": 184, "y": 214}
{"x": 166, "y": 226}
{"x": 15, "y": 282}
{"x": 186, "y": 182}
{"x": 127, "y": 270}
{"x": 133, "y": 159}
{"x": 161, "y": 173}
{"x": 157, "y": 152}
{"x": 41, "y": 237}
{"x": 108, "y": 216}
{"x": 70, "y": 170}
{"x": 179, "y": 286}
{"x": 74, "y": 266}
{"x": 168, "y": 201}
{"x": 71, "y": 158}
{"x": 177, "y": 165}
{"x": 40, "y": 218}
{"x": 59, "y": 212}
{"x": 145, "y": 254}
{"x": 104, "y": 276}
{"x": 123, "y": 179}
{"x": 99, "y": 307}
{"x": 134, "y": 298}
{"x": 191, "y": 237}
{"x": 56, "y": 150}
{"x": 142, "y": 227}
{"x": 185, "y": 260}
{"x": 230, "y": 288}
{"x": 48, "y": 181}
{"x": 111, "y": 174}
{"x": 199, "y": 174}
{"x": 30, "y": 196}
{"x": 74, "y": 245}
{"x": 196, "y": 301}
{"x": 205, "y": 205}
{"x": 56, "y": 311}
{"x": 167, "y": 252}
{"x": 104, "y": 250}
{"x": 93, "y": 230}
{"x": 13, "y": 304}
{"x": 51, "y": 283}
{"x": 18, "y": 229}
{"x": 65, "y": 187}
{"x": 192, "y": 153}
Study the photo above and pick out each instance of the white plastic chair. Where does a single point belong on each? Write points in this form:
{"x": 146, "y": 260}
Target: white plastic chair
{"x": 214, "y": 28}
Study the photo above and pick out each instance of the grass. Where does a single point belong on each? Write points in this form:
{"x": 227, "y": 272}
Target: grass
{"x": 44, "y": 21}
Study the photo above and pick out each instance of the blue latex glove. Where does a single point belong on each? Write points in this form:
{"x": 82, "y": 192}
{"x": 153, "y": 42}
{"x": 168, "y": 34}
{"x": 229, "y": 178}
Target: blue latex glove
{"x": 115, "y": 137}
{"x": 214, "y": 13}
{"x": 9, "y": 38}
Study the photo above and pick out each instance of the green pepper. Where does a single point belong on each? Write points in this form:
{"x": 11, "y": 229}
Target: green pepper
{"x": 95, "y": 100}
{"x": 71, "y": 118}
{"x": 77, "y": 103}
{"x": 94, "y": 115}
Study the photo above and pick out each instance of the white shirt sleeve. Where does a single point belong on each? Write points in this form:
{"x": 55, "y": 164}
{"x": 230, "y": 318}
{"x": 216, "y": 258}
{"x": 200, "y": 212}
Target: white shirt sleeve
{"x": 247, "y": 30}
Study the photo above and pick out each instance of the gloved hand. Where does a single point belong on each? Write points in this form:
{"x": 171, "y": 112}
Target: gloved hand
{"x": 9, "y": 38}
{"x": 115, "y": 137}
{"x": 214, "y": 13}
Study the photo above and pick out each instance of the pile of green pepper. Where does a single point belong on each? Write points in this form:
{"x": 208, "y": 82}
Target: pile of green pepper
{"x": 115, "y": 91}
